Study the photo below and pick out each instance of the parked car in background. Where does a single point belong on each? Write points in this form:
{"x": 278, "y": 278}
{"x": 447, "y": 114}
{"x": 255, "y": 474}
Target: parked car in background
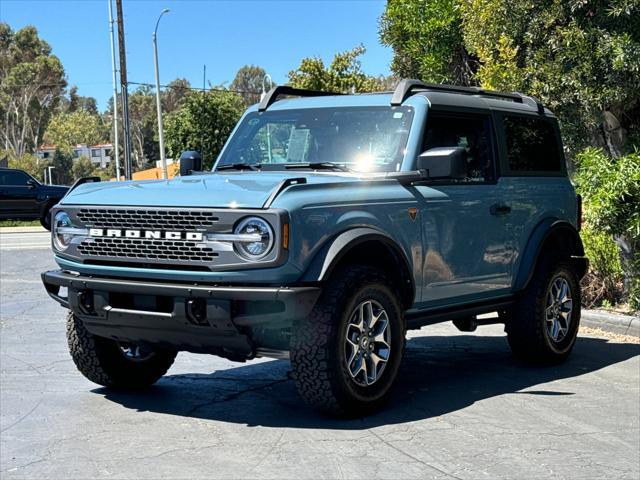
{"x": 22, "y": 197}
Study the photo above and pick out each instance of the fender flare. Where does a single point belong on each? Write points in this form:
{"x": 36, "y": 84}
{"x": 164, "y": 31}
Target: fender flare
{"x": 542, "y": 233}
{"x": 335, "y": 249}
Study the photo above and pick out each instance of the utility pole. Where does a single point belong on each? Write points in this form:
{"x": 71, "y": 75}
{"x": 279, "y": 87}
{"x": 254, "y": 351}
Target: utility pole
{"x": 115, "y": 93}
{"x": 125, "y": 92}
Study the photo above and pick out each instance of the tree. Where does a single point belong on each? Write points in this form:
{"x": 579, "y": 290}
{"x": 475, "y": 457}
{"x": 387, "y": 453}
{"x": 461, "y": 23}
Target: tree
{"x": 344, "y": 75}
{"x": 427, "y": 41}
{"x": 31, "y": 84}
{"x": 77, "y": 102}
{"x": 143, "y": 125}
{"x": 174, "y": 95}
{"x": 581, "y": 58}
{"x": 203, "y": 123}
{"x": 248, "y": 83}
{"x": 62, "y": 164}
{"x": 83, "y": 167}
{"x": 31, "y": 164}
{"x": 66, "y": 130}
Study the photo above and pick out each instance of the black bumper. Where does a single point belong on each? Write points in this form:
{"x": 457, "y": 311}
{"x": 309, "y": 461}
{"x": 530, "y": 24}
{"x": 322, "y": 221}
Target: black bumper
{"x": 197, "y": 318}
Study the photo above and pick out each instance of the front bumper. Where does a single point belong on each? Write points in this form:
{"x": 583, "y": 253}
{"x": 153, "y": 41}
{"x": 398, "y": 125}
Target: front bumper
{"x": 200, "y": 318}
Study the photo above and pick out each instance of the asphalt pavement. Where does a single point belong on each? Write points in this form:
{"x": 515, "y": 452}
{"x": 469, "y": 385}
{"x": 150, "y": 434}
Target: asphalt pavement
{"x": 463, "y": 408}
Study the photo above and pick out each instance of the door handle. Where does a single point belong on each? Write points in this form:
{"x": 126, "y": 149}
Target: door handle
{"x": 499, "y": 209}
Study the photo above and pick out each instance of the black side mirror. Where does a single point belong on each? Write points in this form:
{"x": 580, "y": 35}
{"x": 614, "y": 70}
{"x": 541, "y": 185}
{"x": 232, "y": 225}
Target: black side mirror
{"x": 444, "y": 162}
{"x": 31, "y": 184}
{"x": 190, "y": 161}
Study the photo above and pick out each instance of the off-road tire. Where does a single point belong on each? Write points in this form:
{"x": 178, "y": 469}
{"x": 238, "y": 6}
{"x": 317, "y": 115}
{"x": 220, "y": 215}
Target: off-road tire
{"x": 317, "y": 355}
{"x": 526, "y": 324}
{"x": 100, "y": 360}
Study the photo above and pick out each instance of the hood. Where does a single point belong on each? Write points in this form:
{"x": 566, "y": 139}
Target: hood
{"x": 222, "y": 190}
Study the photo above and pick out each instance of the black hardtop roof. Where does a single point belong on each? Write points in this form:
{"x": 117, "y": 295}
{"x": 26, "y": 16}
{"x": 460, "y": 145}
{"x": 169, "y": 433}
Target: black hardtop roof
{"x": 440, "y": 95}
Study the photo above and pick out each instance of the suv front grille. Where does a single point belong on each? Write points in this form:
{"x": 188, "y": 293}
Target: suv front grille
{"x": 156, "y": 250}
{"x": 184, "y": 220}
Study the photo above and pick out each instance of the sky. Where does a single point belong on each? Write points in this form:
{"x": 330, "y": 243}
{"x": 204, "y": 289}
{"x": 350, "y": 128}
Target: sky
{"x": 223, "y": 35}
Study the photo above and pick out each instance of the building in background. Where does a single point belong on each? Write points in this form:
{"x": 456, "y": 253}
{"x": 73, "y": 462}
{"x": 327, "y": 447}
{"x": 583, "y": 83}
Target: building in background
{"x": 99, "y": 154}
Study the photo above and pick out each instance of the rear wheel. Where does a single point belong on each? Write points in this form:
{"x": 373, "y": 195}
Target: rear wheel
{"x": 346, "y": 355}
{"x": 115, "y": 364}
{"x": 544, "y": 324}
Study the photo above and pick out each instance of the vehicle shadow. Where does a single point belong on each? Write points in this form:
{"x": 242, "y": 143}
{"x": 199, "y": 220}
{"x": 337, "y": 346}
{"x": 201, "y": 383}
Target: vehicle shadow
{"x": 439, "y": 375}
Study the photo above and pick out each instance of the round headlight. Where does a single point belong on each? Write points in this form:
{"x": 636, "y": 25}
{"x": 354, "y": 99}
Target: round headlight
{"x": 258, "y": 238}
{"x": 60, "y": 222}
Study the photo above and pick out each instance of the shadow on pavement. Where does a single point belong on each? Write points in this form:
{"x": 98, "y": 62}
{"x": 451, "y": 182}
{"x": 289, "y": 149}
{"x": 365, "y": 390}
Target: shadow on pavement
{"x": 439, "y": 375}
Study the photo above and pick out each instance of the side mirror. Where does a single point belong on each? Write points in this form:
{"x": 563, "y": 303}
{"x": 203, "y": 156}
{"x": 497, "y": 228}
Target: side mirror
{"x": 31, "y": 184}
{"x": 190, "y": 161}
{"x": 444, "y": 162}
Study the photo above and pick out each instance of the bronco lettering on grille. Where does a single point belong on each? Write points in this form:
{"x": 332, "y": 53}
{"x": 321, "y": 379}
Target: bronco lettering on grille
{"x": 149, "y": 234}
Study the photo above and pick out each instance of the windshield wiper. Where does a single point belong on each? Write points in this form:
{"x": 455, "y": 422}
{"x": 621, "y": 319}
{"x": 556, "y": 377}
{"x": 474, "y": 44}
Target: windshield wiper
{"x": 319, "y": 166}
{"x": 239, "y": 166}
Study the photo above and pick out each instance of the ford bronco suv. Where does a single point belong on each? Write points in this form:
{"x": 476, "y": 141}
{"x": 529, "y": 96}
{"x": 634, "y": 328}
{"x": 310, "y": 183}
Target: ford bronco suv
{"x": 329, "y": 225}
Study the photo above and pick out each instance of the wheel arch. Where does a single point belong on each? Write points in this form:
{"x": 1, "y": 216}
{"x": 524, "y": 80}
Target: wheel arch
{"x": 365, "y": 246}
{"x": 551, "y": 233}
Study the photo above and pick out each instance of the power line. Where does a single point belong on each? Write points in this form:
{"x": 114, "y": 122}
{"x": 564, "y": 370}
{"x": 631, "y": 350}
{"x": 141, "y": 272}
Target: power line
{"x": 177, "y": 87}
{"x": 210, "y": 89}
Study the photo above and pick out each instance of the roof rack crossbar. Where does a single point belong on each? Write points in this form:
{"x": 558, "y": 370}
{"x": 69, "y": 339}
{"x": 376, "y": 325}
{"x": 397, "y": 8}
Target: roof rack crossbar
{"x": 408, "y": 87}
{"x": 282, "y": 90}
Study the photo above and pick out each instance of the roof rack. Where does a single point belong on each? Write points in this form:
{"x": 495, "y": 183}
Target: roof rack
{"x": 276, "y": 92}
{"x": 408, "y": 87}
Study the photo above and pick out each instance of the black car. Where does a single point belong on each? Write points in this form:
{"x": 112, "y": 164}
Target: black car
{"x": 22, "y": 197}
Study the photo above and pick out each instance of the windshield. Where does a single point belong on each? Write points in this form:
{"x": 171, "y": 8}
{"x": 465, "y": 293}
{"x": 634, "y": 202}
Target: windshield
{"x": 359, "y": 138}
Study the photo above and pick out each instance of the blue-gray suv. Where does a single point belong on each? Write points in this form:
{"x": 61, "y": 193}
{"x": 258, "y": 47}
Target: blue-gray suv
{"x": 329, "y": 225}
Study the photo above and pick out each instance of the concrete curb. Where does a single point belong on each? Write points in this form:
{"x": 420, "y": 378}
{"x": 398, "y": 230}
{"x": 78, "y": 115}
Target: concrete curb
{"x": 22, "y": 230}
{"x": 611, "y": 322}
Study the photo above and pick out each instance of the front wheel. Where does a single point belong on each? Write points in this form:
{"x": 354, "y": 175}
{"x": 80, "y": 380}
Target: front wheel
{"x": 346, "y": 355}
{"x": 544, "y": 324}
{"x": 115, "y": 364}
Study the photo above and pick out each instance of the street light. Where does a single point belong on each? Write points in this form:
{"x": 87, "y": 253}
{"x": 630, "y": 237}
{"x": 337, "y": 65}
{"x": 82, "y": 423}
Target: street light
{"x": 163, "y": 158}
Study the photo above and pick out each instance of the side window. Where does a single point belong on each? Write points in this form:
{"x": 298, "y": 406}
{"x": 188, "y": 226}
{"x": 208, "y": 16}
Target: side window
{"x": 13, "y": 178}
{"x": 473, "y": 132}
{"x": 532, "y": 145}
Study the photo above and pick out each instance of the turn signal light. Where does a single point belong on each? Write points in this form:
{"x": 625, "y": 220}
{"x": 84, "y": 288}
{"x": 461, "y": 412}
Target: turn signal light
{"x": 285, "y": 236}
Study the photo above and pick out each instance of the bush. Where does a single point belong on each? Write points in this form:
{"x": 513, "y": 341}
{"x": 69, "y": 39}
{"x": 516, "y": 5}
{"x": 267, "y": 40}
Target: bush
{"x": 603, "y": 282}
{"x": 610, "y": 188}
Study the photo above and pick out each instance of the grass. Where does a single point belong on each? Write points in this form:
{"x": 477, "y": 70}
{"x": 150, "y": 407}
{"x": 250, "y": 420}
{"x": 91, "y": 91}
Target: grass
{"x": 19, "y": 223}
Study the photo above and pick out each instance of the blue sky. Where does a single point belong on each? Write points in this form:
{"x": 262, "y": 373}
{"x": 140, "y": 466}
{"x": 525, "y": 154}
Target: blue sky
{"x": 224, "y": 35}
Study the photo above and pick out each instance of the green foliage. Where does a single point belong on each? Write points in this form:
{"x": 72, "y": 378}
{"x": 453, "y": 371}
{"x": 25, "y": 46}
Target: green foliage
{"x": 203, "y": 123}
{"x": 83, "y": 167}
{"x": 66, "y": 130}
{"x": 31, "y": 164}
{"x": 427, "y": 41}
{"x": 603, "y": 284}
{"x": 580, "y": 57}
{"x": 32, "y": 81}
{"x": 610, "y": 189}
{"x": 344, "y": 75}
{"x": 248, "y": 81}
{"x": 62, "y": 164}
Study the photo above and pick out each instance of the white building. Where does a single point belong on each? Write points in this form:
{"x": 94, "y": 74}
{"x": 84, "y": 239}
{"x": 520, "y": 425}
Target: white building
{"x": 98, "y": 154}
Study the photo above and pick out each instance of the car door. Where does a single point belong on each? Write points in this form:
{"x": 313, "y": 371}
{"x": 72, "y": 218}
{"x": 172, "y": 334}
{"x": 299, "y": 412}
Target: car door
{"x": 466, "y": 249}
{"x": 19, "y": 194}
